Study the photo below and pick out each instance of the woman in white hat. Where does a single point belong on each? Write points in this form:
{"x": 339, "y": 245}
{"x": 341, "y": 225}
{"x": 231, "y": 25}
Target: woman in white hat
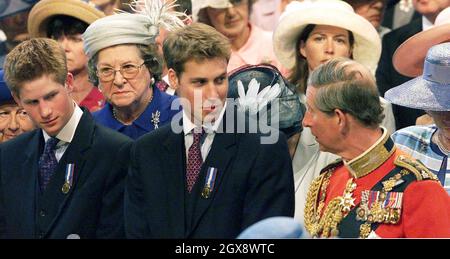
{"x": 311, "y": 33}
{"x": 429, "y": 91}
{"x": 124, "y": 62}
{"x": 308, "y": 35}
{"x": 249, "y": 44}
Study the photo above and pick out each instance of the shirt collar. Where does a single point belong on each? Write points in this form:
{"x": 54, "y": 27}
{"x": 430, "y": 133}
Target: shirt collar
{"x": 68, "y": 131}
{"x": 426, "y": 24}
{"x": 188, "y": 125}
{"x": 373, "y": 157}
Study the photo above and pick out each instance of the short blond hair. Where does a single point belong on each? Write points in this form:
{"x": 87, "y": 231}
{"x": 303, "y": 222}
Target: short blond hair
{"x": 33, "y": 59}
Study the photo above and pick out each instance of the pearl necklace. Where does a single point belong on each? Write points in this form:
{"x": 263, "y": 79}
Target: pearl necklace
{"x": 117, "y": 118}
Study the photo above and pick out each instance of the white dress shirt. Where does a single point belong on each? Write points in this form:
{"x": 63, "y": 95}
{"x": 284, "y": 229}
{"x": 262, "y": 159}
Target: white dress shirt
{"x": 67, "y": 133}
{"x": 208, "y": 138}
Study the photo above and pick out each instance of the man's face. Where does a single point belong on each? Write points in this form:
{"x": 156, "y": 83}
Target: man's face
{"x": 231, "y": 21}
{"x": 430, "y": 7}
{"x": 323, "y": 126}
{"x": 203, "y": 88}
{"x": 47, "y": 102}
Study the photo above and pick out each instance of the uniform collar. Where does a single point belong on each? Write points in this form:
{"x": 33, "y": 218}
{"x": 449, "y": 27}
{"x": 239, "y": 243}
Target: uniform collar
{"x": 372, "y": 158}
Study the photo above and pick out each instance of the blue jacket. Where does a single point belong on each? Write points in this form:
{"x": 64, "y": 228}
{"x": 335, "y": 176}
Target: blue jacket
{"x": 161, "y": 102}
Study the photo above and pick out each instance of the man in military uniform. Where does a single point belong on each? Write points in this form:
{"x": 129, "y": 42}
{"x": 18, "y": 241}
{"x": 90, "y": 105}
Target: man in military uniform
{"x": 374, "y": 190}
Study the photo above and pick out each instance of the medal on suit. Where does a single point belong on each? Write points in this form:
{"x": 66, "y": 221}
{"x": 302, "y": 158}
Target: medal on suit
{"x": 69, "y": 178}
{"x": 209, "y": 182}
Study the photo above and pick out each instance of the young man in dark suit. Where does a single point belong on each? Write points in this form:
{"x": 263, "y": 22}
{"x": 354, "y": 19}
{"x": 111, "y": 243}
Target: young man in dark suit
{"x": 199, "y": 177}
{"x": 65, "y": 180}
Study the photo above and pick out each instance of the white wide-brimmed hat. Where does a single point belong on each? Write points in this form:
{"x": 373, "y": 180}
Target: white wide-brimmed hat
{"x": 367, "y": 46}
{"x": 431, "y": 90}
{"x": 408, "y": 58}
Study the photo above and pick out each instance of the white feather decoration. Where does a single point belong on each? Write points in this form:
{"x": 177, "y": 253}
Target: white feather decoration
{"x": 160, "y": 14}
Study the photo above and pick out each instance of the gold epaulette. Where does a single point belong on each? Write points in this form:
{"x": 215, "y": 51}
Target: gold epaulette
{"x": 416, "y": 167}
{"x": 332, "y": 165}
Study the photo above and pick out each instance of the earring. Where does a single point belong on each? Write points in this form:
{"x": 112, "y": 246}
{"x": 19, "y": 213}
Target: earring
{"x": 152, "y": 81}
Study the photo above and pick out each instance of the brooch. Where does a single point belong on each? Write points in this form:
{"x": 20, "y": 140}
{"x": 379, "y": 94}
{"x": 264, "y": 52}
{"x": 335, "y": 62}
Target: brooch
{"x": 155, "y": 119}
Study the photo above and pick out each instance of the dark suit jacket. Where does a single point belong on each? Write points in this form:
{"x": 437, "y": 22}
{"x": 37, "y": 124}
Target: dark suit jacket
{"x": 253, "y": 182}
{"x": 93, "y": 208}
{"x": 388, "y": 77}
{"x": 388, "y": 18}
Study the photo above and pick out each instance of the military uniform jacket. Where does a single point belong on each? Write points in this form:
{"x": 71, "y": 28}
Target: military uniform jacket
{"x": 382, "y": 193}
{"x": 253, "y": 182}
{"x": 93, "y": 206}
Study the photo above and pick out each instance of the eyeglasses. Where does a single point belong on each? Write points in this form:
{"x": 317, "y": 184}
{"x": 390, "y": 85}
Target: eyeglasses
{"x": 128, "y": 71}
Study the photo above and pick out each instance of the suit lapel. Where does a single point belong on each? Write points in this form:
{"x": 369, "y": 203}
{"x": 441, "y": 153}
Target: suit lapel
{"x": 28, "y": 182}
{"x": 174, "y": 171}
{"x": 222, "y": 151}
{"x": 76, "y": 154}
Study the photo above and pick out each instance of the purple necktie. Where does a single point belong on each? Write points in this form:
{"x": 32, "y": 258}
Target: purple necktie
{"x": 48, "y": 162}
{"x": 195, "y": 161}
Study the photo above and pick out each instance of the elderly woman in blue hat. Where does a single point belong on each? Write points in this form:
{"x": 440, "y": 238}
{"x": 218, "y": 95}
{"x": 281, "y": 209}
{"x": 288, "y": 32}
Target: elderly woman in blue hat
{"x": 124, "y": 62}
{"x": 13, "y": 119}
{"x": 430, "y": 92}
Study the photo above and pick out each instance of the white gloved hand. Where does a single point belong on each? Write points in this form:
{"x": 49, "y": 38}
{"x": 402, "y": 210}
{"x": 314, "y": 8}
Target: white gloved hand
{"x": 254, "y": 101}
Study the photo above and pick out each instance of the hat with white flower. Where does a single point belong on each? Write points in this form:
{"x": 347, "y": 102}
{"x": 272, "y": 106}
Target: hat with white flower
{"x": 140, "y": 27}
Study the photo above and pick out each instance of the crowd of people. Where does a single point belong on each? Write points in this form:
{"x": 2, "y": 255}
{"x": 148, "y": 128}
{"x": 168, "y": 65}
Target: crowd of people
{"x": 217, "y": 118}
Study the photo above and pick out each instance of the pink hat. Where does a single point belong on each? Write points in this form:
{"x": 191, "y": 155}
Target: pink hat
{"x": 408, "y": 58}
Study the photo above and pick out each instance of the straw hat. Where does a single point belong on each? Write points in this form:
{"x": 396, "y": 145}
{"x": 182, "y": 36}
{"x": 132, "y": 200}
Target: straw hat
{"x": 418, "y": 44}
{"x": 430, "y": 91}
{"x": 367, "y": 47}
{"x": 46, "y": 9}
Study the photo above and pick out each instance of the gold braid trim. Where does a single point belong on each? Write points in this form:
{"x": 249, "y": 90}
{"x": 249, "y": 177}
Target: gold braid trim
{"x": 311, "y": 203}
{"x": 326, "y": 225}
{"x": 415, "y": 167}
